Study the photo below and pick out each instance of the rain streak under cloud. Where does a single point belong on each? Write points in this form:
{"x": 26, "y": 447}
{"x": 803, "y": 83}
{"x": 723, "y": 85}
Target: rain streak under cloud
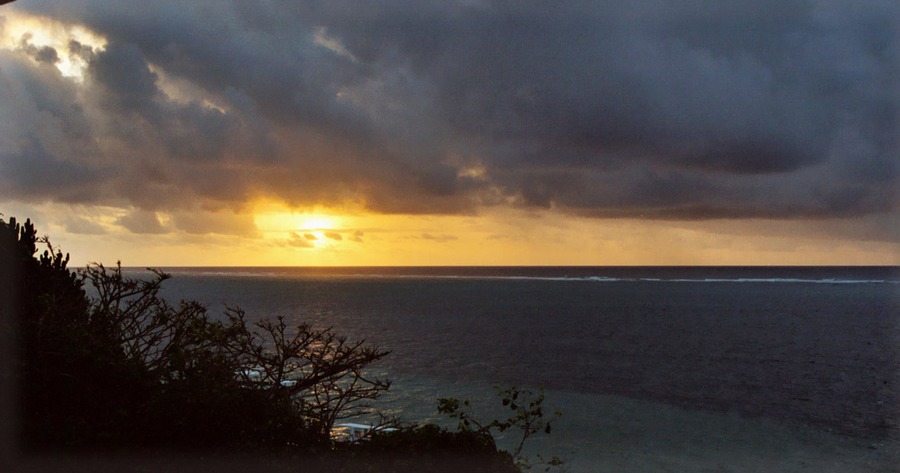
{"x": 689, "y": 110}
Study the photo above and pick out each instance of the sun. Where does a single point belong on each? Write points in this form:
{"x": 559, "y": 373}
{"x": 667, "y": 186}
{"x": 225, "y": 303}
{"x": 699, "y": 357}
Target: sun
{"x": 278, "y": 219}
{"x": 317, "y": 222}
{"x": 317, "y": 228}
{"x": 302, "y": 229}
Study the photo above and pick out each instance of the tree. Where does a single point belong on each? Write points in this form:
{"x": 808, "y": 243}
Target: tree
{"x": 97, "y": 371}
{"x": 62, "y": 364}
{"x": 429, "y": 448}
{"x": 124, "y": 369}
{"x": 318, "y": 373}
{"x": 528, "y": 418}
{"x": 321, "y": 371}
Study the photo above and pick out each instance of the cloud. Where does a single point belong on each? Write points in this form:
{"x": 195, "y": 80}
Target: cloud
{"x": 437, "y": 238}
{"x": 46, "y": 142}
{"x": 223, "y": 222}
{"x": 124, "y": 79}
{"x": 79, "y": 225}
{"x": 142, "y": 221}
{"x": 334, "y": 236}
{"x": 44, "y": 54}
{"x": 298, "y": 241}
{"x": 663, "y": 110}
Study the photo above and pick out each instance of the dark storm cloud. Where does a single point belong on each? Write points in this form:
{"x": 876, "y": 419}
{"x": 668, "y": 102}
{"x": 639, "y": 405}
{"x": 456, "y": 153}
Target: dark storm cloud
{"x": 46, "y": 142}
{"x": 33, "y": 172}
{"x": 127, "y": 83}
{"x": 660, "y": 109}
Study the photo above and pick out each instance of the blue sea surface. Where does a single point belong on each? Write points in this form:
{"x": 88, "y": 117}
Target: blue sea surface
{"x": 654, "y": 368}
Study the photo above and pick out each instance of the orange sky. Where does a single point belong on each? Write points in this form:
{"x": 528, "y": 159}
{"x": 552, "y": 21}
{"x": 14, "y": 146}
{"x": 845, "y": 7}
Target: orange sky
{"x": 276, "y": 236}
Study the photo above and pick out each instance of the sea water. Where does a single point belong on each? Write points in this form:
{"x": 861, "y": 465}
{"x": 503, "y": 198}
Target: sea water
{"x": 653, "y": 369}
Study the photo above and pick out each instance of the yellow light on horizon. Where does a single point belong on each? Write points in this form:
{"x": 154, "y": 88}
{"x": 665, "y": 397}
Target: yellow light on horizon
{"x": 500, "y": 237}
{"x": 310, "y": 229}
{"x": 282, "y": 219}
{"x": 318, "y": 222}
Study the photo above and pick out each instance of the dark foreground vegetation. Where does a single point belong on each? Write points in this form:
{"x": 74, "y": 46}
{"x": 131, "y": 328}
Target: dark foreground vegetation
{"x": 123, "y": 372}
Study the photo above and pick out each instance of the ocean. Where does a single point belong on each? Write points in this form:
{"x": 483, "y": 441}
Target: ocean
{"x": 714, "y": 369}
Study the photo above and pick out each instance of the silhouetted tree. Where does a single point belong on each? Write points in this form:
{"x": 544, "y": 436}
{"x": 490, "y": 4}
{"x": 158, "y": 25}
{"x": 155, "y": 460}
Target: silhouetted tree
{"x": 428, "y": 448}
{"x": 64, "y": 364}
{"x": 321, "y": 371}
{"x": 125, "y": 369}
{"x": 96, "y": 372}
{"x": 528, "y": 419}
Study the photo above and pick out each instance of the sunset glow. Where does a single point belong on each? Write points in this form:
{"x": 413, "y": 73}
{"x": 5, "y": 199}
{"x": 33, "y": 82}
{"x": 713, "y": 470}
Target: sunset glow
{"x": 126, "y": 140}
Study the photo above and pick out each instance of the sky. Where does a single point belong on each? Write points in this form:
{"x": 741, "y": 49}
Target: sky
{"x": 259, "y": 133}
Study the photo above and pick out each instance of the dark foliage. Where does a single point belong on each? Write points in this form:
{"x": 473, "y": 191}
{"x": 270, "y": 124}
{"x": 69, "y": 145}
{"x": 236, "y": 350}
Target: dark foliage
{"x": 428, "y": 448}
{"x": 64, "y": 363}
{"x": 528, "y": 418}
{"x": 124, "y": 371}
